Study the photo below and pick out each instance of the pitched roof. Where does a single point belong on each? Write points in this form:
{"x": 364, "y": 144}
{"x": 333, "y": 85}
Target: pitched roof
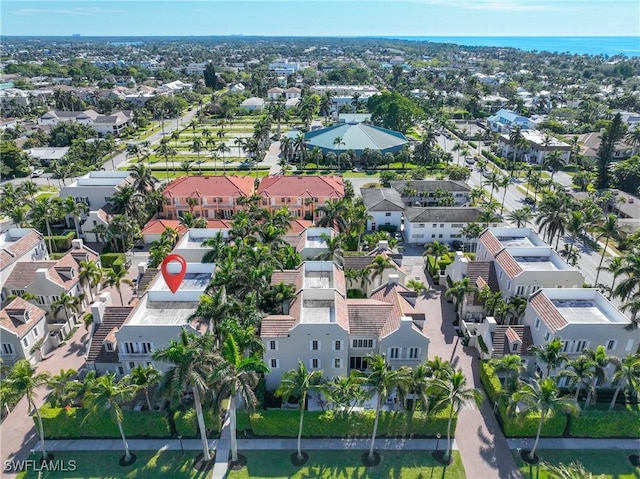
{"x": 355, "y": 136}
{"x": 288, "y": 276}
{"x": 361, "y": 262}
{"x": 490, "y": 242}
{"x": 382, "y": 199}
{"x": 481, "y": 273}
{"x": 547, "y": 312}
{"x": 197, "y": 186}
{"x": 444, "y": 214}
{"x": 275, "y": 326}
{"x": 17, "y": 307}
{"x": 158, "y": 226}
{"x": 25, "y": 273}
{"x": 501, "y": 337}
{"x": 113, "y": 318}
{"x": 367, "y": 317}
{"x": 508, "y": 264}
{"x": 302, "y": 186}
{"x": 14, "y": 250}
{"x": 425, "y": 186}
{"x": 298, "y": 226}
{"x": 401, "y": 300}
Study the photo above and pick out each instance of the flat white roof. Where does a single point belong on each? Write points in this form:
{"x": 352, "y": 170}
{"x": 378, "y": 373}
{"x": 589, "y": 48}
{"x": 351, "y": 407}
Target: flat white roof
{"x": 535, "y": 263}
{"x": 581, "y": 311}
{"x": 163, "y": 313}
{"x": 318, "y": 312}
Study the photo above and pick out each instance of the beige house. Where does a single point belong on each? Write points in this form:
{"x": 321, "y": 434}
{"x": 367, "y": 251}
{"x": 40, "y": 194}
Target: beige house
{"x": 329, "y": 332}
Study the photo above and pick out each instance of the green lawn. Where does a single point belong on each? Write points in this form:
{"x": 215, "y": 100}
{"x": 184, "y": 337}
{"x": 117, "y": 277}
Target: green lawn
{"x": 608, "y": 464}
{"x": 104, "y": 464}
{"x": 347, "y": 464}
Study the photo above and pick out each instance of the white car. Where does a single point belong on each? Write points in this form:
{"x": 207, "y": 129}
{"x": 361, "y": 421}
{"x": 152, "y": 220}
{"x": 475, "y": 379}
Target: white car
{"x": 37, "y": 173}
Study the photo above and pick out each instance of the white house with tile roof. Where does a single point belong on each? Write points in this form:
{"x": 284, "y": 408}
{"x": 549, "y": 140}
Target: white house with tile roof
{"x": 582, "y": 318}
{"x": 359, "y": 263}
{"x": 385, "y": 206}
{"x": 524, "y": 263}
{"x": 441, "y": 223}
{"x": 329, "y": 332}
{"x": 19, "y": 245}
{"x": 24, "y": 333}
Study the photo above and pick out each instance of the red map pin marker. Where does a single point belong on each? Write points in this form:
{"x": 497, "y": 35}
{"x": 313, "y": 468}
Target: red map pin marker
{"x": 173, "y": 280}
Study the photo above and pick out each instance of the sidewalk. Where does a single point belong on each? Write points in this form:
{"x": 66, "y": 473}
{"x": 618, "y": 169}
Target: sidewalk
{"x": 574, "y": 443}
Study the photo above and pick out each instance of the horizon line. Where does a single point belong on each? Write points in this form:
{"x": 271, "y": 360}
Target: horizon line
{"x": 388, "y": 36}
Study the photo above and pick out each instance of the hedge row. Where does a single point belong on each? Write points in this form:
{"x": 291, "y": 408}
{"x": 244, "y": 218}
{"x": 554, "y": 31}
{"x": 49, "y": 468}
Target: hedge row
{"x": 60, "y": 244}
{"x": 63, "y": 423}
{"x": 115, "y": 261}
{"x": 284, "y": 423}
{"x": 187, "y": 423}
{"x": 605, "y": 424}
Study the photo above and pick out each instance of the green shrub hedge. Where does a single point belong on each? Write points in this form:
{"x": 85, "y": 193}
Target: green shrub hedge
{"x": 60, "y": 244}
{"x": 526, "y": 425}
{"x": 284, "y": 423}
{"x": 115, "y": 261}
{"x": 605, "y": 424}
{"x": 187, "y": 423}
{"x": 490, "y": 381}
{"x": 63, "y": 423}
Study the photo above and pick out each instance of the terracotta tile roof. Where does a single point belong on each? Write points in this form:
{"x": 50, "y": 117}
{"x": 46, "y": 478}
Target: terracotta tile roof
{"x": 24, "y": 273}
{"x": 17, "y": 307}
{"x": 113, "y": 319}
{"x": 490, "y": 242}
{"x": 361, "y": 262}
{"x": 302, "y": 186}
{"x": 287, "y": 276}
{"x": 342, "y": 311}
{"x": 402, "y": 304}
{"x": 156, "y": 227}
{"x": 547, "y": 312}
{"x": 367, "y": 317}
{"x": 481, "y": 273}
{"x": 14, "y": 250}
{"x": 298, "y": 226}
{"x": 339, "y": 282}
{"x": 295, "y": 241}
{"x": 275, "y": 326}
{"x": 197, "y": 186}
{"x": 501, "y": 339}
{"x": 219, "y": 224}
{"x": 508, "y": 264}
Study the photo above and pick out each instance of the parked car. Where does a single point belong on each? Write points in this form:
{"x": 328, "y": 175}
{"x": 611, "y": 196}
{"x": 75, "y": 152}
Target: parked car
{"x": 529, "y": 201}
{"x": 37, "y": 173}
{"x": 457, "y": 245}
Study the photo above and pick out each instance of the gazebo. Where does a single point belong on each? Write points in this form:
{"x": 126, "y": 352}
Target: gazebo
{"x": 357, "y": 137}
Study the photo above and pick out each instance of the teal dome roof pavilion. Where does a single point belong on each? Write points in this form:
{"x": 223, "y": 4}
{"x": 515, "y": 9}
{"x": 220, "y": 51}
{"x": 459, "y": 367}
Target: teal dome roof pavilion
{"x": 357, "y": 137}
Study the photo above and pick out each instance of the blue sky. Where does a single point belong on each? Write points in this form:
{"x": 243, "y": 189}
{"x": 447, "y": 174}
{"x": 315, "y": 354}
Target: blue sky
{"x": 325, "y": 18}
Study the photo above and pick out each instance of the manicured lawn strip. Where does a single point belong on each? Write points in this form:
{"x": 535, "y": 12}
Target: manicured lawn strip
{"x": 284, "y": 423}
{"x": 104, "y": 464}
{"x": 605, "y": 464}
{"x": 161, "y": 175}
{"x": 347, "y": 464}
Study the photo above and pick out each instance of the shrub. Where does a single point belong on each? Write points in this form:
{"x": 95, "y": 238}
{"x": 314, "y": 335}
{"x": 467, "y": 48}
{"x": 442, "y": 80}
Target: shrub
{"x": 60, "y": 244}
{"x": 473, "y": 144}
{"x": 388, "y": 228}
{"x": 115, "y": 261}
{"x": 490, "y": 381}
{"x": 526, "y": 425}
{"x": 284, "y": 423}
{"x": 605, "y": 424}
{"x": 187, "y": 423}
{"x": 68, "y": 423}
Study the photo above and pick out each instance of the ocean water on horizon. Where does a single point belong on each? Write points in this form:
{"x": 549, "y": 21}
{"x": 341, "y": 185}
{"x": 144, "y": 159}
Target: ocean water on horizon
{"x": 628, "y": 46}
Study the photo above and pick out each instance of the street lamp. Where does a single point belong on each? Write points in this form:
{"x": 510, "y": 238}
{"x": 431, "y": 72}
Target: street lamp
{"x": 181, "y": 446}
{"x": 438, "y": 436}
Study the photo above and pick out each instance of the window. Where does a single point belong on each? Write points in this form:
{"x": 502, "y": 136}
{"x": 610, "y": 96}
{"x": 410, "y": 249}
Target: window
{"x": 25, "y": 342}
{"x": 514, "y": 347}
{"x": 273, "y": 363}
{"x": 337, "y": 363}
{"x": 414, "y": 353}
{"x": 273, "y": 345}
{"x": 315, "y": 345}
{"x": 420, "y": 225}
{"x": 337, "y": 345}
{"x": 394, "y": 353}
{"x": 520, "y": 290}
{"x": 433, "y": 235}
{"x": 440, "y": 235}
{"x": 441, "y": 225}
{"x": 108, "y": 346}
{"x": 358, "y": 362}
{"x": 387, "y": 214}
{"x": 581, "y": 345}
{"x": 7, "y": 348}
{"x": 120, "y": 370}
{"x": 138, "y": 348}
{"x": 500, "y": 275}
{"x": 611, "y": 344}
{"x": 629, "y": 345}
{"x": 456, "y": 225}
{"x": 547, "y": 336}
{"x": 434, "y": 225}
{"x": 362, "y": 343}
{"x": 35, "y": 333}
{"x": 509, "y": 286}
{"x": 315, "y": 363}
{"x": 132, "y": 365}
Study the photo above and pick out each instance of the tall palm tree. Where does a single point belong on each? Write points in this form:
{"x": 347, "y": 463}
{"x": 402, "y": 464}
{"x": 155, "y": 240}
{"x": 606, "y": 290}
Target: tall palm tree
{"x": 44, "y": 208}
{"x": 191, "y": 361}
{"x": 436, "y": 249}
{"x": 554, "y": 162}
{"x": 607, "y": 229}
{"x": 337, "y": 143}
{"x": 66, "y": 303}
{"x": 62, "y": 387}
{"x": 614, "y": 268}
{"x": 600, "y": 360}
{"x": 143, "y": 179}
{"x": 75, "y": 209}
{"x": 418, "y": 385}
{"x": 551, "y": 354}
{"x": 345, "y": 393}
{"x": 234, "y": 375}
{"x": 109, "y": 394}
{"x": 458, "y": 290}
{"x": 377, "y": 267}
{"x": 116, "y": 278}
{"x": 552, "y": 216}
{"x": 383, "y": 381}
{"x": 521, "y": 216}
{"x": 24, "y": 379}
{"x": 454, "y": 393}
{"x": 575, "y": 225}
{"x": 90, "y": 275}
{"x": 630, "y": 273}
{"x": 298, "y": 382}
{"x": 626, "y": 375}
{"x": 516, "y": 308}
{"x": 511, "y": 365}
{"x": 541, "y": 395}
{"x": 504, "y": 183}
{"x": 439, "y": 368}
{"x": 579, "y": 372}
{"x": 144, "y": 378}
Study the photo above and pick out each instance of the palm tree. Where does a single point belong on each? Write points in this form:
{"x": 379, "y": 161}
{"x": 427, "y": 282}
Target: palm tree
{"x": 614, "y": 268}
{"x": 107, "y": 394}
{"x": 626, "y": 374}
{"x": 74, "y": 209}
{"x": 191, "y": 365}
{"x": 494, "y": 180}
{"x": 454, "y": 393}
{"x": 24, "y": 379}
{"x": 377, "y": 267}
{"x": 552, "y": 216}
{"x": 439, "y": 368}
{"x": 345, "y": 393}
{"x": 554, "y": 162}
{"x": 62, "y": 387}
{"x": 298, "y": 382}
{"x": 511, "y": 365}
{"x": 143, "y": 179}
{"x": 504, "y": 183}
{"x": 418, "y": 385}
{"x": 516, "y": 308}
{"x": 608, "y": 229}
{"x": 44, "y": 208}
{"x": 143, "y": 378}
{"x": 437, "y": 250}
{"x": 116, "y": 278}
{"x": 337, "y": 143}
{"x": 579, "y": 373}
{"x": 573, "y": 470}
{"x": 521, "y": 216}
{"x": 197, "y": 148}
{"x": 551, "y": 354}
{"x": 64, "y": 303}
{"x": 575, "y": 225}
{"x": 382, "y": 380}
{"x": 599, "y": 360}
{"x": 234, "y": 375}
{"x": 90, "y": 275}
{"x": 458, "y": 290}
{"x": 541, "y": 395}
